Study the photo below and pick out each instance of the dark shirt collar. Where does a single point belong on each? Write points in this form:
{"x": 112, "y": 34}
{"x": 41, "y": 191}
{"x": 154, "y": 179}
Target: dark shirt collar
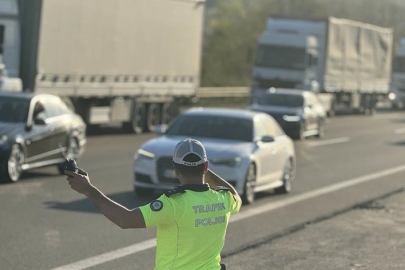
{"x": 196, "y": 187}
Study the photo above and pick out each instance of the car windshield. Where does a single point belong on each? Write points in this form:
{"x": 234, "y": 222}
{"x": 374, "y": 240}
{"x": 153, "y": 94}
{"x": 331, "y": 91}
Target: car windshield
{"x": 281, "y": 57}
{"x": 282, "y": 100}
{"x": 13, "y": 110}
{"x": 209, "y": 126}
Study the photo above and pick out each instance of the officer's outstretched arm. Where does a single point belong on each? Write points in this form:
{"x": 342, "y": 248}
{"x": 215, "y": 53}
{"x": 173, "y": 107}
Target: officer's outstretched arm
{"x": 215, "y": 180}
{"x": 115, "y": 212}
{"x": 118, "y": 214}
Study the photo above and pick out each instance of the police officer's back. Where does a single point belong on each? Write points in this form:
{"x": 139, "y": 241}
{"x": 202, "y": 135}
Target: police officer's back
{"x": 191, "y": 220}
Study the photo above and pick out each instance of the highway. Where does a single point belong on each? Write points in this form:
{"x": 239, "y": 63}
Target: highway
{"x": 46, "y": 225}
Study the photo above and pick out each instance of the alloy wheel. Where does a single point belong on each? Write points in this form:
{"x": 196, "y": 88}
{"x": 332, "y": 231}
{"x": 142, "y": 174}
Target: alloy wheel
{"x": 15, "y": 162}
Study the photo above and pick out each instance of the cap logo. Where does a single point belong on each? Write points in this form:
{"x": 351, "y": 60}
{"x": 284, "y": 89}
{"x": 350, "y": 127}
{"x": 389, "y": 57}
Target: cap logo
{"x": 191, "y": 163}
{"x": 186, "y": 147}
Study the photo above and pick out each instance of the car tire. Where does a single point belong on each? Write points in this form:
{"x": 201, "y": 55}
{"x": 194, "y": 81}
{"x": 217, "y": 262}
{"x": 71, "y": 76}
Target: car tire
{"x": 288, "y": 178}
{"x": 12, "y": 168}
{"x": 321, "y": 129}
{"x": 72, "y": 152}
{"x": 143, "y": 192}
{"x": 248, "y": 196}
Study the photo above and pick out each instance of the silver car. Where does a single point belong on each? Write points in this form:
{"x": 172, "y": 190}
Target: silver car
{"x": 248, "y": 149}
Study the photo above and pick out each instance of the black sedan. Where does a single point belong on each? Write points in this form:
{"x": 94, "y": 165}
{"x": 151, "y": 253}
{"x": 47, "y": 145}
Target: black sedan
{"x": 37, "y": 131}
{"x": 298, "y": 112}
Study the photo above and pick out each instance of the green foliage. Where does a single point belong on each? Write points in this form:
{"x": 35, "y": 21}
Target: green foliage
{"x": 233, "y": 28}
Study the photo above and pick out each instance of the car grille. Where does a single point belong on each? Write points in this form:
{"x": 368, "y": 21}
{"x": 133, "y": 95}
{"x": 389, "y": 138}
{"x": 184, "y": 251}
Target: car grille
{"x": 143, "y": 178}
{"x": 401, "y": 89}
{"x": 165, "y": 163}
{"x": 278, "y": 118}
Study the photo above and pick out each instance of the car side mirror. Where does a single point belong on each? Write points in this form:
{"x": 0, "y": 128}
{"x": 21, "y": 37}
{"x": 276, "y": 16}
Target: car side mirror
{"x": 267, "y": 139}
{"x": 39, "y": 122}
{"x": 160, "y": 129}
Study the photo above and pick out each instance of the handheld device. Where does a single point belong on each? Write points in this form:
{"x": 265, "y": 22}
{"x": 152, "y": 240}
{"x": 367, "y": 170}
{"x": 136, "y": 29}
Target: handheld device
{"x": 70, "y": 164}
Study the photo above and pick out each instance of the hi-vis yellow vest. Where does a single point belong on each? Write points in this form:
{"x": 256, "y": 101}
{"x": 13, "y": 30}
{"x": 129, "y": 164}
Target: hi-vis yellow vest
{"x": 191, "y": 225}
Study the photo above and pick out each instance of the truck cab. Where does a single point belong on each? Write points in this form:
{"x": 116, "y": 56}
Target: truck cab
{"x": 9, "y": 46}
{"x": 397, "y": 95}
{"x": 288, "y": 56}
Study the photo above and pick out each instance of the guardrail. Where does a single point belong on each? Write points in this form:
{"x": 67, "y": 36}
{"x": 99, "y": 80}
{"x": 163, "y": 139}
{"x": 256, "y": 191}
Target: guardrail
{"x": 218, "y": 92}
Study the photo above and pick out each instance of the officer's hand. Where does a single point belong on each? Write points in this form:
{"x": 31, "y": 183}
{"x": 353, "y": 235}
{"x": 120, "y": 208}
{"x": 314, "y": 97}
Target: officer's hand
{"x": 78, "y": 182}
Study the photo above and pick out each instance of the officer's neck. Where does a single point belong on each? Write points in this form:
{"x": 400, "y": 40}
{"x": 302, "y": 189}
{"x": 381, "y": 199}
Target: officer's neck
{"x": 186, "y": 181}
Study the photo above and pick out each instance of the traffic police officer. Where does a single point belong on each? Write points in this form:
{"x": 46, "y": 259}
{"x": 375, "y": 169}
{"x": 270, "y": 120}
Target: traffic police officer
{"x": 191, "y": 219}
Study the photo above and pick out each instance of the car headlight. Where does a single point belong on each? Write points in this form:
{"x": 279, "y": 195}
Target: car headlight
{"x": 231, "y": 162}
{"x": 144, "y": 154}
{"x": 392, "y": 96}
{"x": 291, "y": 118}
{"x": 3, "y": 139}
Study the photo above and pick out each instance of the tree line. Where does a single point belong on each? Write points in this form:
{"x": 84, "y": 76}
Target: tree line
{"x": 233, "y": 27}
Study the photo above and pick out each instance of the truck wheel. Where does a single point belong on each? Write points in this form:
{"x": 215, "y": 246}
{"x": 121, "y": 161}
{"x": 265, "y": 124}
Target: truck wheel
{"x": 373, "y": 104}
{"x": 300, "y": 133}
{"x": 153, "y": 116}
{"x": 168, "y": 113}
{"x": 332, "y": 110}
{"x": 367, "y": 105}
{"x": 321, "y": 129}
{"x": 137, "y": 119}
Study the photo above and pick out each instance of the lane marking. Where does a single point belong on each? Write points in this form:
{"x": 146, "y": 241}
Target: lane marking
{"x": 328, "y": 142}
{"x": 109, "y": 256}
{"x": 151, "y": 243}
{"x": 400, "y": 131}
{"x": 386, "y": 116}
{"x": 315, "y": 193}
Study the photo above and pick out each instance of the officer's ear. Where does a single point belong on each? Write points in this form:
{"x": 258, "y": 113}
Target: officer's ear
{"x": 176, "y": 171}
{"x": 206, "y": 167}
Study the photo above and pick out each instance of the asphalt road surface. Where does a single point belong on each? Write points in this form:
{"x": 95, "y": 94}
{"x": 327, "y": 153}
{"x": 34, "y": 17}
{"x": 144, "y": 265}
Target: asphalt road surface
{"x": 46, "y": 225}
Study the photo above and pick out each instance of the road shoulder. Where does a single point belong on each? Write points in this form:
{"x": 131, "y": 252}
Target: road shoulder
{"x": 371, "y": 236}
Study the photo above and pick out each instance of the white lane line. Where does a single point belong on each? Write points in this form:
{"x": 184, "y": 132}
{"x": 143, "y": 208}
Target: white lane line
{"x": 151, "y": 243}
{"x": 400, "y": 131}
{"x": 109, "y": 256}
{"x": 328, "y": 142}
{"x": 385, "y": 116}
{"x": 315, "y": 193}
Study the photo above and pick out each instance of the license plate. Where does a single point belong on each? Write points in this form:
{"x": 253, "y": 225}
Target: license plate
{"x": 169, "y": 173}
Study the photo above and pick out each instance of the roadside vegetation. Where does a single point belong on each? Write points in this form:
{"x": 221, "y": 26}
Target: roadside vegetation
{"x": 233, "y": 27}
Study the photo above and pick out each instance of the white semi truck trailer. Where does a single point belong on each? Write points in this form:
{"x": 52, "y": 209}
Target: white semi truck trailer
{"x": 346, "y": 63}
{"x": 126, "y": 61}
